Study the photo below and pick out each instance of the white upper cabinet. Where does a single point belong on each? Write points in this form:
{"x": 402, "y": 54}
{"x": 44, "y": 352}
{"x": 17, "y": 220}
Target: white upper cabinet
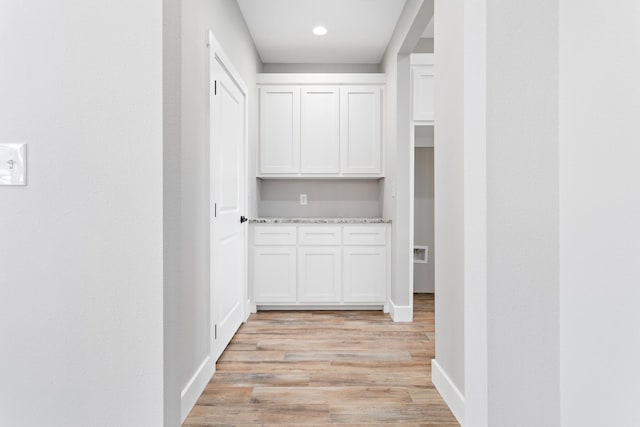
{"x": 361, "y": 130}
{"x": 320, "y": 130}
{"x": 321, "y": 125}
{"x": 422, "y": 78}
{"x": 280, "y": 129}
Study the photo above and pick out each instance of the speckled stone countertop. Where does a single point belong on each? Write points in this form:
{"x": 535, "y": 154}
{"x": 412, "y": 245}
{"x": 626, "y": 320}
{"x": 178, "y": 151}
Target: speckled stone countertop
{"x": 319, "y": 221}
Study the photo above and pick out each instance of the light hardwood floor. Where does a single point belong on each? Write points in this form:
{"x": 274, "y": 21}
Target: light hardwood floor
{"x": 320, "y": 368}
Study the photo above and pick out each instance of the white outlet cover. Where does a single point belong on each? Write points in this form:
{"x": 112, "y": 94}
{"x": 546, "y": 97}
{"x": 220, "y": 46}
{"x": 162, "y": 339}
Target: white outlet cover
{"x": 303, "y": 199}
{"x": 13, "y": 164}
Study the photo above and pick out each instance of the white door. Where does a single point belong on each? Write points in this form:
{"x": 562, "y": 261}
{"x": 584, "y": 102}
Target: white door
{"x": 228, "y": 243}
{"x": 279, "y": 130}
{"x": 319, "y": 274}
{"x": 361, "y": 130}
{"x": 320, "y": 130}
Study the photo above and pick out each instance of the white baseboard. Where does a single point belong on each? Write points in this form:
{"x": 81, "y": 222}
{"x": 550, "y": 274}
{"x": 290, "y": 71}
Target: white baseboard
{"x": 247, "y": 310}
{"x": 448, "y": 390}
{"x": 400, "y": 313}
{"x": 195, "y": 387}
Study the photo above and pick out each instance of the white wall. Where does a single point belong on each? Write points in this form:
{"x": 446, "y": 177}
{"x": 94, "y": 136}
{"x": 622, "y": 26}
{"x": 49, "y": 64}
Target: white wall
{"x": 522, "y": 213}
{"x": 224, "y": 19}
{"x": 475, "y": 214}
{"x": 81, "y": 254}
{"x": 423, "y": 274}
{"x": 599, "y": 211}
{"x": 449, "y": 189}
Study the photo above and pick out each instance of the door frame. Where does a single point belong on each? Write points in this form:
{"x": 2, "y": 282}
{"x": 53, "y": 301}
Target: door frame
{"x": 216, "y": 53}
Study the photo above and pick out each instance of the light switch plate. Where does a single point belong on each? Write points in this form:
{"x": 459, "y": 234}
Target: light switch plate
{"x": 13, "y": 164}
{"x": 303, "y": 199}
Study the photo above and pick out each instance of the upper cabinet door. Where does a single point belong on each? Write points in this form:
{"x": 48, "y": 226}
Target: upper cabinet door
{"x": 320, "y": 130}
{"x": 423, "y": 93}
{"x": 361, "y": 130}
{"x": 279, "y": 130}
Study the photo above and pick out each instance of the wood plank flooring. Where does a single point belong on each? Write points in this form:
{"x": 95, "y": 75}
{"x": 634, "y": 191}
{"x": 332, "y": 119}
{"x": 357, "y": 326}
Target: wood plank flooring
{"x": 321, "y": 368}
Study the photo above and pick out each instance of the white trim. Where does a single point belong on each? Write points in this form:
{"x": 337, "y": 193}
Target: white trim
{"x": 328, "y": 306}
{"x": 248, "y": 306}
{"x": 215, "y": 48}
{"x": 322, "y": 78}
{"x": 422, "y": 59}
{"x": 448, "y": 390}
{"x": 196, "y": 385}
{"x": 338, "y": 176}
{"x": 401, "y": 313}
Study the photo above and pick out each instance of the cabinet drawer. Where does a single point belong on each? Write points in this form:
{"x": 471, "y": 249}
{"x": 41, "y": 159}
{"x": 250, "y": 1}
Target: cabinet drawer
{"x": 274, "y": 235}
{"x": 365, "y": 235}
{"x": 319, "y": 235}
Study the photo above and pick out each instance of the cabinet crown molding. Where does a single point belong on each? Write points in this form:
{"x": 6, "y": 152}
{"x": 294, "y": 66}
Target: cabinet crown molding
{"x": 322, "y": 78}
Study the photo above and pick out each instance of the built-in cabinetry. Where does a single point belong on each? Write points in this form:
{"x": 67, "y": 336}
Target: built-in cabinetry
{"x": 319, "y": 125}
{"x": 319, "y": 264}
{"x": 423, "y": 88}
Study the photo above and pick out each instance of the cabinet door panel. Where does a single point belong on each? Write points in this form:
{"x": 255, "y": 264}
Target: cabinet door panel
{"x": 320, "y": 130}
{"x": 364, "y": 273}
{"x": 319, "y": 274}
{"x": 274, "y": 274}
{"x": 423, "y": 93}
{"x": 280, "y": 129}
{"x": 361, "y": 130}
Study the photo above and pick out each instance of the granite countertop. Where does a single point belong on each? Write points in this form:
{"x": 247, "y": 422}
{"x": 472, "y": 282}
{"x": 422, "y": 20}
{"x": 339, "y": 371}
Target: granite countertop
{"x": 319, "y": 221}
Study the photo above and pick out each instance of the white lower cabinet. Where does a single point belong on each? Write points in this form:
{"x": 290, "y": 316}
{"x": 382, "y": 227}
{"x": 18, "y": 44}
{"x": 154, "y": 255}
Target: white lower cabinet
{"x": 319, "y": 271}
{"x": 274, "y": 274}
{"x": 311, "y": 264}
{"x": 364, "y": 277}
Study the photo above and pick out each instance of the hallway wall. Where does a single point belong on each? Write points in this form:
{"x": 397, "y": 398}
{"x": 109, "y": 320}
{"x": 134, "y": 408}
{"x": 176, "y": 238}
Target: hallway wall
{"x": 449, "y": 189}
{"x": 522, "y": 213}
{"x": 599, "y": 213}
{"x": 224, "y": 19}
{"x": 81, "y": 252}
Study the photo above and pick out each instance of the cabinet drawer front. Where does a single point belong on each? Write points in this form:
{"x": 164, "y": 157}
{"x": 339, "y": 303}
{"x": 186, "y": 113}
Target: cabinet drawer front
{"x": 270, "y": 235}
{"x": 365, "y": 235}
{"x": 319, "y": 235}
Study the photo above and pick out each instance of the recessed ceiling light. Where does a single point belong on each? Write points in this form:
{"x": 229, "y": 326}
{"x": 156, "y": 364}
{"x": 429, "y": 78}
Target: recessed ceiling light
{"x": 319, "y": 30}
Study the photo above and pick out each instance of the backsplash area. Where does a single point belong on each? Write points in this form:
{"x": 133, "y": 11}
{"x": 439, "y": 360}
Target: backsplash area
{"x": 358, "y": 198}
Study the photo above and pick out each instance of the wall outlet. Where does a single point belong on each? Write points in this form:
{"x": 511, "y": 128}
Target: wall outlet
{"x": 303, "y": 199}
{"x": 13, "y": 164}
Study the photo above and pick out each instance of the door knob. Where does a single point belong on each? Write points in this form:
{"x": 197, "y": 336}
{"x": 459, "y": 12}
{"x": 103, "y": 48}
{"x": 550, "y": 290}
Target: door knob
{"x": 243, "y": 219}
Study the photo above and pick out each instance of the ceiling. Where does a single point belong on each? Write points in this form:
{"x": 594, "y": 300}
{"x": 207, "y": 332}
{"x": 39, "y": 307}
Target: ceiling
{"x": 358, "y": 30}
